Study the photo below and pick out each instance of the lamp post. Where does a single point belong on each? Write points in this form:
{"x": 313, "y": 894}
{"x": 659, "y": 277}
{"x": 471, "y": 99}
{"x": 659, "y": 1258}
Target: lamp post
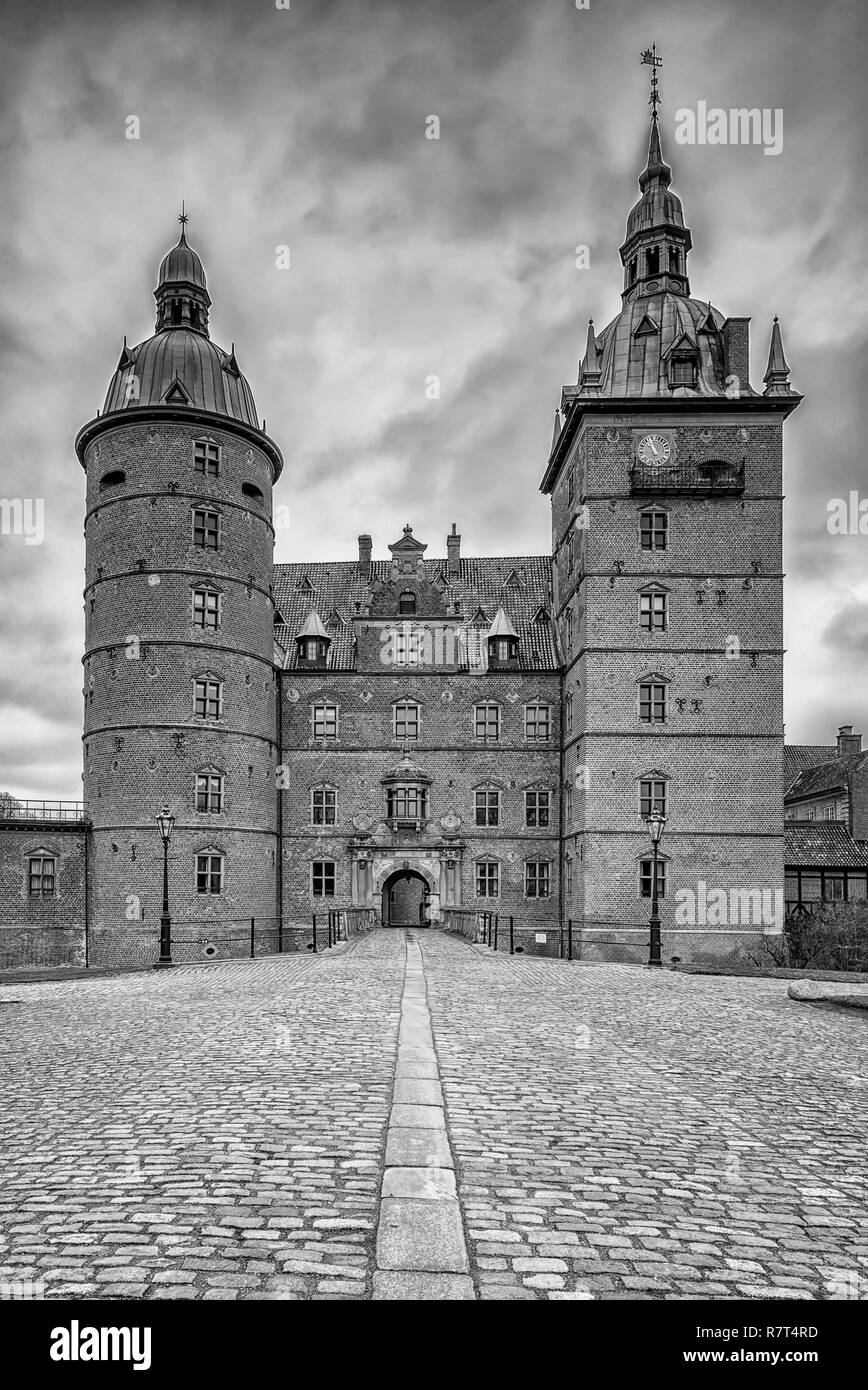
{"x": 165, "y": 820}
{"x": 656, "y": 823}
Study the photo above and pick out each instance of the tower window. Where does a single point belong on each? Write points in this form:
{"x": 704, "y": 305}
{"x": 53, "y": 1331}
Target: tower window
{"x": 112, "y": 479}
{"x": 682, "y": 372}
{"x": 209, "y": 873}
{"x": 537, "y": 722}
{"x": 653, "y": 611}
{"x": 251, "y": 490}
{"x": 537, "y": 878}
{"x": 652, "y": 260}
{"x": 408, "y": 802}
{"x": 487, "y": 878}
{"x": 652, "y": 702}
{"x": 206, "y": 457}
{"x": 486, "y": 722}
{"x": 207, "y": 609}
{"x": 487, "y": 805}
{"x": 405, "y": 720}
{"x": 673, "y": 259}
{"x": 568, "y": 706}
{"x": 537, "y": 805}
{"x": 654, "y": 530}
{"x": 206, "y": 529}
{"x": 652, "y": 796}
{"x": 323, "y": 878}
{"x": 324, "y": 804}
{"x": 633, "y": 267}
{"x": 407, "y": 602}
{"x": 209, "y": 792}
{"x": 324, "y": 721}
{"x": 176, "y": 311}
{"x": 207, "y": 699}
{"x": 41, "y": 876}
{"x": 646, "y": 878}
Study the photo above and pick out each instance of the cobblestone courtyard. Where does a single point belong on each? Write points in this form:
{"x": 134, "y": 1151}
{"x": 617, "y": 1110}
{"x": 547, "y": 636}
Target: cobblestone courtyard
{"x": 416, "y": 1117}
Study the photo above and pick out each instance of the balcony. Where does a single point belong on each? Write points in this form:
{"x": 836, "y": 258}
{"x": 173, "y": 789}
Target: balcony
{"x": 13, "y": 809}
{"x": 708, "y": 478}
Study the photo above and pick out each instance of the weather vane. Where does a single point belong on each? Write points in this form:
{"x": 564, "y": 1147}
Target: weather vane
{"x": 649, "y": 59}
{"x": 183, "y": 217}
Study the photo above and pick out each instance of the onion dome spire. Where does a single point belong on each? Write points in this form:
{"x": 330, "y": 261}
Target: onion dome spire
{"x": 182, "y": 293}
{"x": 654, "y": 253}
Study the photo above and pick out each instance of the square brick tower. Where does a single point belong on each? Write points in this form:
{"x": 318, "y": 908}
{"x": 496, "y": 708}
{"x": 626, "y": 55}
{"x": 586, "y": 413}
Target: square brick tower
{"x": 665, "y": 477}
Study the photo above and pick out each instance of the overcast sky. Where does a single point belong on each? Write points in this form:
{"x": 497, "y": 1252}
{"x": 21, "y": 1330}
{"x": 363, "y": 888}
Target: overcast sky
{"x": 412, "y": 257}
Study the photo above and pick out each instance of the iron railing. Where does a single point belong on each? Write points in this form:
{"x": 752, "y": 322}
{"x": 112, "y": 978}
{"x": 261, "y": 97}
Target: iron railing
{"x": 11, "y": 808}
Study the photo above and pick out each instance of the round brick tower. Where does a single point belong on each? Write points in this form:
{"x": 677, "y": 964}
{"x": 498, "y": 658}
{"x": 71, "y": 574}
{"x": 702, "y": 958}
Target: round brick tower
{"x": 180, "y": 686}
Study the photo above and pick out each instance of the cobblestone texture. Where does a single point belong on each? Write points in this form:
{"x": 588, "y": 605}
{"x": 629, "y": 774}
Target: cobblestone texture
{"x": 220, "y": 1132}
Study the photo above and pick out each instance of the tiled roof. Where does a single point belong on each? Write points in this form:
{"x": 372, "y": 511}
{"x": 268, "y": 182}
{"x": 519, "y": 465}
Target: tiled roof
{"x": 825, "y": 777}
{"x": 823, "y": 845}
{"x": 800, "y": 756}
{"x": 521, "y": 585}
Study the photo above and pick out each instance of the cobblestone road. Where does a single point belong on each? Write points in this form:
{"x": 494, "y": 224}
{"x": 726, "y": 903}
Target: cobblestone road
{"x": 221, "y": 1132}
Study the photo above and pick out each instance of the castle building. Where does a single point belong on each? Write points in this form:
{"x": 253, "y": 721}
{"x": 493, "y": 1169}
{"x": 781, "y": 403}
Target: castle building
{"x": 416, "y": 735}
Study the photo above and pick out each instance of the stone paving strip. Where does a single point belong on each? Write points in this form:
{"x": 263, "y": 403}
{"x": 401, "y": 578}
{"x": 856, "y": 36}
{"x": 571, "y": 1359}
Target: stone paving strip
{"x": 421, "y": 1249}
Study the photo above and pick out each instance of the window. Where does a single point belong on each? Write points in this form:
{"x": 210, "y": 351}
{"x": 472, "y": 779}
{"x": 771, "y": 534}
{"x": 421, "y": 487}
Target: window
{"x": 251, "y": 490}
{"x": 568, "y": 875}
{"x": 652, "y": 702}
{"x": 653, "y": 611}
{"x": 41, "y": 875}
{"x": 829, "y": 813}
{"x": 207, "y": 609}
{"x": 571, "y": 484}
{"x": 673, "y": 259}
{"x": 682, "y": 372}
{"x": 206, "y": 528}
{"x": 323, "y": 878}
{"x": 652, "y": 260}
{"x": 652, "y": 796}
{"x": 537, "y": 722}
{"x": 206, "y": 457}
{"x": 325, "y": 721}
{"x": 112, "y": 479}
{"x": 502, "y": 653}
{"x": 209, "y": 791}
{"x": 486, "y": 722}
{"x": 569, "y": 713}
{"x": 324, "y": 805}
{"x": 654, "y": 530}
{"x": 646, "y": 877}
{"x": 407, "y": 602}
{"x": 537, "y": 878}
{"x": 568, "y": 803}
{"x": 568, "y": 628}
{"x": 209, "y": 873}
{"x": 487, "y": 801}
{"x": 408, "y": 645}
{"x": 487, "y": 878}
{"x": 407, "y": 802}
{"x": 207, "y": 698}
{"x": 405, "y": 720}
{"x": 536, "y": 808}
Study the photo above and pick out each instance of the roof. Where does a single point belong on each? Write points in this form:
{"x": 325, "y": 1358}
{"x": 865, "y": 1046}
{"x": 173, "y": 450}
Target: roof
{"x": 633, "y": 349}
{"x": 829, "y": 776}
{"x": 501, "y": 627}
{"x": 187, "y": 368}
{"x": 520, "y": 585}
{"x": 313, "y": 626}
{"x": 799, "y": 756}
{"x": 182, "y": 265}
{"x": 822, "y": 845}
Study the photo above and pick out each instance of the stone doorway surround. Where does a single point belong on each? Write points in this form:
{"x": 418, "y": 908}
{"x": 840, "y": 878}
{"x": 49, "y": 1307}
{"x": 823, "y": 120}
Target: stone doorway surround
{"x": 438, "y": 865}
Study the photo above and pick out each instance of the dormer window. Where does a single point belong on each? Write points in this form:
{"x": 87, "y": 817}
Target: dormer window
{"x": 682, "y": 371}
{"x": 502, "y": 641}
{"x": 312, "y": 642}
{"x": 407, "y": 602}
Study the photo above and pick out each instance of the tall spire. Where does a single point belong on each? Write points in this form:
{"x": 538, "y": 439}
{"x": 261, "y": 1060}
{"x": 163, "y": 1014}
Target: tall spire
{"x": 777, "y": 377}
{"x": 589, "y": 376}
{"x": 654, "y": 253}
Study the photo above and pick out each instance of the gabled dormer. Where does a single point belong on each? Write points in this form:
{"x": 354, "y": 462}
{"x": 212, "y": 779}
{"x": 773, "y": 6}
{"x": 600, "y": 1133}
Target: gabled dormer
{"x": 502, "y": 643}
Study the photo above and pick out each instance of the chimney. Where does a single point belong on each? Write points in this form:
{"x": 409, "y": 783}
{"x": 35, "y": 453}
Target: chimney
{"x": 848, "y": 742}
{"x": 736, "y": 351}
{"x": 365, "y": 545}
{"x": 453, "y": 551}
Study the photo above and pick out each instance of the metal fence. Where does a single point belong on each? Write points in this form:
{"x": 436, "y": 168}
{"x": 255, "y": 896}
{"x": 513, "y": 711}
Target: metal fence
{"x": 13, "y": 809}
{"x": 340, "y": 924}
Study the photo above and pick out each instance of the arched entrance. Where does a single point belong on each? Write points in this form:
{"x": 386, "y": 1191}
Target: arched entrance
{"x": 405, "y": 900}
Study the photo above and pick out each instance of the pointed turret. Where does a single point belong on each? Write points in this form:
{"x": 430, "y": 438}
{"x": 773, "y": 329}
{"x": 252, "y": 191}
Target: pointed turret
{"x": 502, "y": 641}
{"x": 556, "y": 432}
{"x": 312, "y": 641}
{"x": 589, "y": 377}
{"x": 777, "y": 377}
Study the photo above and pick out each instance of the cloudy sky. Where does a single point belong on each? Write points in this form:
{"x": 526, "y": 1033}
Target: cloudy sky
{"x": 411, "y": 257}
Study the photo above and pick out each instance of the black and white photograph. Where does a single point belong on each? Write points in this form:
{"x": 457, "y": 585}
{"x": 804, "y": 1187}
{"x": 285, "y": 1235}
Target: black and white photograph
{"x": 433, "y": 653}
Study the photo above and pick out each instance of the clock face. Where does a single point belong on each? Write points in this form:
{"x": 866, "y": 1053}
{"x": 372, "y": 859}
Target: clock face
{"x": 654, "y": 449}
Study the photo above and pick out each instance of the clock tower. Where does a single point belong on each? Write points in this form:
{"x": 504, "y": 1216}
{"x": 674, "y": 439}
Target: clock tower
{"x": 665, "y": 478}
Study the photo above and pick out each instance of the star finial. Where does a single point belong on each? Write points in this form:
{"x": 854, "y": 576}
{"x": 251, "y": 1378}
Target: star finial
{"x": 650, "y": 59}
{"x": 183, "y": 218}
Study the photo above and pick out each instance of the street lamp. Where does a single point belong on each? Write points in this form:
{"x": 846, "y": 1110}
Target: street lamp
{"x": 165, "y": 820}
{"x": 656, "y": 823}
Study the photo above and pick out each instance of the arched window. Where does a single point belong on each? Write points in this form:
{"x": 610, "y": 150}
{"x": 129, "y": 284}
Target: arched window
{"x": 653, "y": 260}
